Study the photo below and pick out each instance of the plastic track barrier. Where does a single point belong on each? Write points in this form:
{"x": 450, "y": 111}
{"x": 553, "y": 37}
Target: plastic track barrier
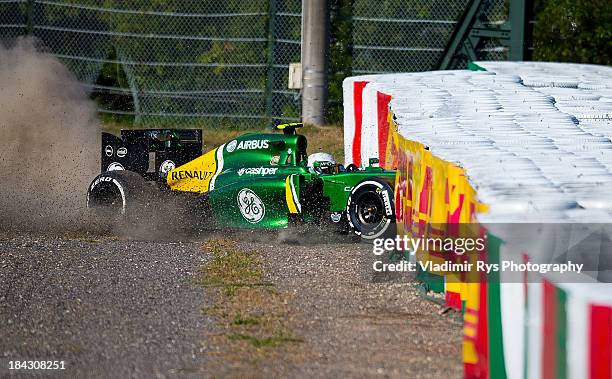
{"x": 504, "y": 142}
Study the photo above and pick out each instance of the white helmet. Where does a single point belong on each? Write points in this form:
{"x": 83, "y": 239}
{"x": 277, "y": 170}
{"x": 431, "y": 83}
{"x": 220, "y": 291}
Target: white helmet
{"x": 320, "y": 157}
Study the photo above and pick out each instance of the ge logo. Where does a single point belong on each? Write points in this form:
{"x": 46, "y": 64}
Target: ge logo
{"x": 251, "y": 206}
{"x": 231, "y": 146}
{"x": 167, "y": 166}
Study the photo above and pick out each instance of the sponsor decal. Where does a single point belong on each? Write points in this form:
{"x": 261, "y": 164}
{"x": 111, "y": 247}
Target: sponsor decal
{"x": 121, "y": 152}
{"x": 167, "y": 166}
{"x": 231, "y": 146}
{"x": 100, "y": 180}
{"x": 181, "y": 175}
{"x": 250, "y": 205}
{"x": 387, "y": 201}
{"x": 253, "y": 144}
{"x": 115, "y": 166}
{"x": 263, "y": 171}
{"x": 336, "y": 216}
{"x": 108, "y": 150}
{"x": 348, "y": 189}
{"x": 106, "y": 179}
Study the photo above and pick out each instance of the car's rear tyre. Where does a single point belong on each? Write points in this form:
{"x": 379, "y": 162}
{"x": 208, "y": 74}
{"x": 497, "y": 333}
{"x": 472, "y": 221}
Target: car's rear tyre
{"x": 117, "y": 194}
{"x": 370, "y": 210}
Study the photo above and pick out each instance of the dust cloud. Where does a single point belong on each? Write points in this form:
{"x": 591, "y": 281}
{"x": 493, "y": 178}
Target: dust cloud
{"x": 49, "y": 142}
{"x": 49, "y": 153}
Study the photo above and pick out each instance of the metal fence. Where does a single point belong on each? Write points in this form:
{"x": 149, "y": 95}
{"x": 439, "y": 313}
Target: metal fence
{"x": 413, "y": 35}
{"x": 180, "y": 59}
{"x": 208, "y": 61}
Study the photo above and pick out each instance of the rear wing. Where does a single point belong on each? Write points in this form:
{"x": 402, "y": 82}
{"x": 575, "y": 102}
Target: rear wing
{"x": 289, "y": 128}
{"x": 150, "y": 152}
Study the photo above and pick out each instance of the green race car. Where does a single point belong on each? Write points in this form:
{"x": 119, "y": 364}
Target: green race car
{"x": 254, "y": 181}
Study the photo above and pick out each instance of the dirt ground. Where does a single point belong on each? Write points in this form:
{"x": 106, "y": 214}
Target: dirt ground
{"x": 112, "y": 307}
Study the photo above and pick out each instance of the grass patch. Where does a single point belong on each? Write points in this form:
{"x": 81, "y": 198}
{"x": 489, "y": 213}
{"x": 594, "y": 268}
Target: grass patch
{"x": 230, "y": 267}
{"x": 239, "y": 320}
{"x": 80, "y": 236}
{"x": 255, "y": 320}
{"x": 263, "y": 342}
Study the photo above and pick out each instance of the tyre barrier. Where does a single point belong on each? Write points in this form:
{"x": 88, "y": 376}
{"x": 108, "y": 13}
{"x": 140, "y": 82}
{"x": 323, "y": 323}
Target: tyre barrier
{"x": 520, "y": 142}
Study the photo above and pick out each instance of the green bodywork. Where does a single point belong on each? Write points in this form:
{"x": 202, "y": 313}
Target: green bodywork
{"x": 260, "y": 164}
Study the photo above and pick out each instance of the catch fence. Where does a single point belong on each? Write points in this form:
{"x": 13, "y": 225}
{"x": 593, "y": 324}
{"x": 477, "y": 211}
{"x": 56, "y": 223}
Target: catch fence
{"x": 172, "y": 60}
{"x": 227, "y": 62}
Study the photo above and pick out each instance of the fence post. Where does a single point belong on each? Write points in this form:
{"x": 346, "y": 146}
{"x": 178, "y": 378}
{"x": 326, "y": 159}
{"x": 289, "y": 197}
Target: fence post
{"x": 30, "y": 17}
{"x": 269, "y": 92}
{"x": 517, "y": 29}
{"x": 315, "y": 15}
{"x": 132, "y": 84}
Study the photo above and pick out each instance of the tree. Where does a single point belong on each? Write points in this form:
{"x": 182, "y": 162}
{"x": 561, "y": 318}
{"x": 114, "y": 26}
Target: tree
{"x": 574, "y": 31}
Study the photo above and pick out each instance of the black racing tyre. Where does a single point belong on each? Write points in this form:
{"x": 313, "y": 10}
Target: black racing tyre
{"x": 370, "y": 209}
{"x": 118, "y": 194}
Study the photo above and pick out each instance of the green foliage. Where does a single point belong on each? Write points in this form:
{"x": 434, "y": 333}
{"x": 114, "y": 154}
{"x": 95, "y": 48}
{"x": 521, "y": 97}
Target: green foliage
{"x": 340, "y": 56}
{"x": 373, "y": 36}
{"x": 574, "y": 31}
{"x": 222, "y": 65}
{"x": 204, "y": 58}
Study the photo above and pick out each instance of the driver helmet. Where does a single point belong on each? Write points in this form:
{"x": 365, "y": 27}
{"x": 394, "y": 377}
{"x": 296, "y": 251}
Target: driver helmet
{"x": 325, "y": 160}
{"x": 320, "y": 157}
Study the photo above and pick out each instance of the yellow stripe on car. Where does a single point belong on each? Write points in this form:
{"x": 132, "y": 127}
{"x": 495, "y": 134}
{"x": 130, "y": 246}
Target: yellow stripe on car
{"x": 291, "y": 196}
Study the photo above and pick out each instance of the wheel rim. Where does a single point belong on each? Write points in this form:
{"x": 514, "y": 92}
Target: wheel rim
{"x": 368, "y": 213}
{"x": 370, "y": 209}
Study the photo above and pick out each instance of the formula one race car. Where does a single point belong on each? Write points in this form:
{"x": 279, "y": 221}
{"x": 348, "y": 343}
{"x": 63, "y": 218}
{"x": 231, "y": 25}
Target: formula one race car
{"x": 253, "y": 181}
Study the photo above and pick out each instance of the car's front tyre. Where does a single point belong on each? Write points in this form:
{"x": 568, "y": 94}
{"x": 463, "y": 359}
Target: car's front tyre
{"x": 370, "y": 209}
